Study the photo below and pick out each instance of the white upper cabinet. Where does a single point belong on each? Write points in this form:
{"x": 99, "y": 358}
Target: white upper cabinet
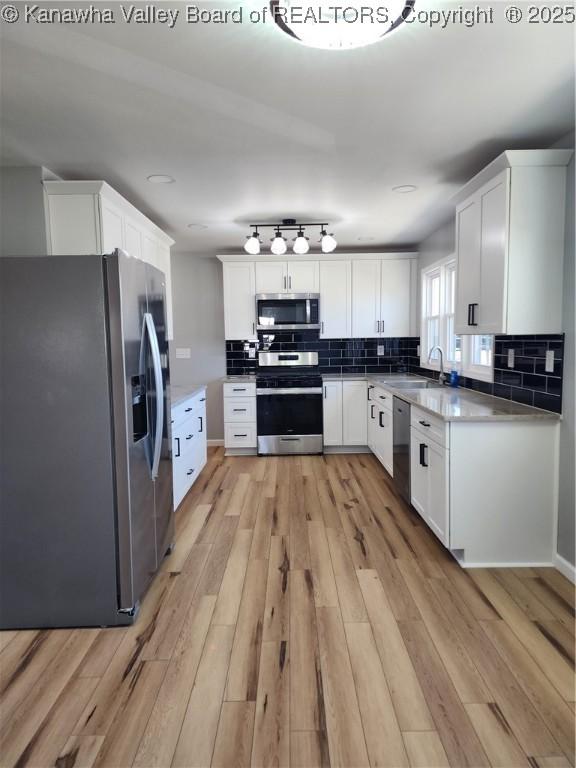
{"x": 90, "y": 217}
{"x": 360, "y": 296}
{"x": 395, "y": 297}
{"x": 365, "y": 298}
{"x": 510, "y": 224}
{"x": 383, "y": 303}
{"x": 303, "y": 277}
{"x": 335, "y": 299}
{"x": 271, "y": 276}
{"x": 239, "y": 301}
{"x": 287, "y": 277}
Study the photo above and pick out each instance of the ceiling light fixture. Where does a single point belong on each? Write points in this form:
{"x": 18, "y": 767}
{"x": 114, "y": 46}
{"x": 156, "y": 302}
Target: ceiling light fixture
{"x": 327, "y": 242}
{"x": 279, "y": 245}
{"x": 193, "y": 225}
{"x": 404, "y": 189}
{"x": 160, "y": 178}
{"x": 301, "y": 244}
{"x": 252, "y": 244}
{"x": 340, "y": 27}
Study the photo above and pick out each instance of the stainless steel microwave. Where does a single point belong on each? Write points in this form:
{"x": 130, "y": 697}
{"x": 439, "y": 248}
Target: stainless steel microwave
{"x": 288, "y": 311}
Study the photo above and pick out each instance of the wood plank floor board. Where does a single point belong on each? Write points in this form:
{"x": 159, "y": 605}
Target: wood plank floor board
{"x": 425, "y": 750}
{"x": 407, "y": 695}
{"x": 271, "y": 743}
{"x": 233, "y": 748}
{"x": 160, "y": 736}
{"x": 343, "y": 721}
{"x": 243, "y": 673}
{"x": 198, "y": 734}
{"x": 524, "y": 719}
{"x": 381, "y": 731}
{"x": 543, "y": 652}
{"x": 306, "y": 617}
{"x": 458, "y": 737}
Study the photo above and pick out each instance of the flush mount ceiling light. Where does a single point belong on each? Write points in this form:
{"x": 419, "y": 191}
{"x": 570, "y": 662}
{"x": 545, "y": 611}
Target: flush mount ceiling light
{"x": 160, "y": 178}
{"x": 404, "y": 189}
{"x": 328, "y": 25}
{"x": 301, "y": 245}
{"x": 193, "y": 225}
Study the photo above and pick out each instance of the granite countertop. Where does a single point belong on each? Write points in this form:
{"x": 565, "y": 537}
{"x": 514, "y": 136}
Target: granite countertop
{"x": 462, "y": 404}
{"x": 344, "y": 377}
{"x": 245, "y": 379}
{"x": 181, "y": 392}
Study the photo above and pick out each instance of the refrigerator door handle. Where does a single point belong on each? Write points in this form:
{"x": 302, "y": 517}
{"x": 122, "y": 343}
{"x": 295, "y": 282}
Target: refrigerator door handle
{"x": 158, "y": 384}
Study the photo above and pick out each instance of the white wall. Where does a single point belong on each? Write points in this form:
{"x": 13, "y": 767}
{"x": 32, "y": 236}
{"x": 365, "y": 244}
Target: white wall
{"x": 567, "y": 497}
{"x": 22, "y": 219}
{"x": 198, "y": 306}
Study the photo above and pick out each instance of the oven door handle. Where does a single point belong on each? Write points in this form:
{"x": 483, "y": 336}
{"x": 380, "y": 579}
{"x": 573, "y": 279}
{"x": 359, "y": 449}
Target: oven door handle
{"x": 294, "y": 391}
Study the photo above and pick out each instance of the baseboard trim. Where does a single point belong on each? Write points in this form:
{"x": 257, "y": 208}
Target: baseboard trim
{"x": 346, "y": 449}
{"x": 565, "y": 568}
{"x": 215, "y": 442}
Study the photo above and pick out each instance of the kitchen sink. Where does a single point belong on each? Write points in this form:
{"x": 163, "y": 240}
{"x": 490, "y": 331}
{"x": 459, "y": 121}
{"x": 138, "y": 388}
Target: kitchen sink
{"x": 414, "y": 384}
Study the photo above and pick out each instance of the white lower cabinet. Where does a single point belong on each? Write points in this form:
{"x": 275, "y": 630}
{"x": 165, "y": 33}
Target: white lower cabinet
{"x": 429, "y": 482}
{"x": 380, "y": 432}
{"x": 240, "y": 417}
{"x": 189, "y": 446}
{"x": 345, "y": 413}
{"x": 332, "y": 412}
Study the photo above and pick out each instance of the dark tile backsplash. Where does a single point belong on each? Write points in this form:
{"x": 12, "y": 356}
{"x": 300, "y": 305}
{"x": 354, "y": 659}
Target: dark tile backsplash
{"x": 334, "y": 355}
{"x": 527, "y": 382}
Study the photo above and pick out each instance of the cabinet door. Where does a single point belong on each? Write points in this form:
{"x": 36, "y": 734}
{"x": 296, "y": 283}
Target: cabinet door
{"x": 335, "y": 299}
{"x": 491, "y": 312}
{"x": 112, "y": 226}
{"x": 437, "y": 512}
{"x": 74, "y": 224}
{"x": 385, "y": 439}
{"x": 332, "y": 413}
{"x": 419, "y": 460}
{"x": 354, "y": 424}
{"x": 365, "y": 298}
{"x": 303, "y": 277}
{"x": 239, "y": 302}
{"x": 467, "y": 263}
{"x": 395, "y": 297}
{"x": 271, "y": 277}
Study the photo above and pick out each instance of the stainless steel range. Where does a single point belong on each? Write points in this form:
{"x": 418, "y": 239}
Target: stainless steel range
{"x": 289, "y": 403}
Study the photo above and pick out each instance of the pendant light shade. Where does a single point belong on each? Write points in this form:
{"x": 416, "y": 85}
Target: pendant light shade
{"x": 252, "y": 244}
{"x": 278, "y": 246}
{"x": 327, "y": 243}
{"x": 301, "y": 245}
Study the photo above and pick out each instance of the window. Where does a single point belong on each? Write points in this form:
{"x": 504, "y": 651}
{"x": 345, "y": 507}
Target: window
{"x": 470, "y": 355}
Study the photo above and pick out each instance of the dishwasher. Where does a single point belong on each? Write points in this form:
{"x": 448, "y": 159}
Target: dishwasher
{"x": 401, "y": 450}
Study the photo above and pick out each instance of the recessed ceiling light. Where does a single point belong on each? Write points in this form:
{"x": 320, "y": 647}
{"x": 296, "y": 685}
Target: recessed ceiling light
{"x": 404, "y": 189}
{"x": 160, "y": 178}
{"x": 365, "y": 239}
{"x": 196, "y": 226}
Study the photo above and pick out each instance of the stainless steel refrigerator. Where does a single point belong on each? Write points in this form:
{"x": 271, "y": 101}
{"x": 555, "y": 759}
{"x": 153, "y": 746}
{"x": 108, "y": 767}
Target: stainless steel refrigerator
{"x": 86, "y": 470}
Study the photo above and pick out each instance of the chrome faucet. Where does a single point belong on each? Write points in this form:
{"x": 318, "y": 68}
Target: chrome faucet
{"x": 442, "y": 376}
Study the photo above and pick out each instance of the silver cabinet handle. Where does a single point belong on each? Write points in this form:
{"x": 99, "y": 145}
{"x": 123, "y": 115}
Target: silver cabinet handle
{"x": 253, "y": 327}
{"x": 377, "y": 326}
{"x": 284, "y": 282}
{"x": 382, "y": 324}
{"x": 150, "y": 329}
{"x": 290, "y": 282}
{"x": 325, "y": 392}
{"x": 322, "y": 326}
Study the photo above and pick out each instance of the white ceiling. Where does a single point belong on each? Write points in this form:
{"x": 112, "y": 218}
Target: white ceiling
{"x": 254, "y": 126}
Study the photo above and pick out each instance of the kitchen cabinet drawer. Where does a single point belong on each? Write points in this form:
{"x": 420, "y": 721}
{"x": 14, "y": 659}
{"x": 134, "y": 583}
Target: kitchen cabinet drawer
{"x": 239, "y": 389}
{"x": 382, "y": 397}
{"x": 240, "y": 435}
{"x": 187, "y": 408}
{"x": 238, "y": 409}
{"x": 431, "y": 426}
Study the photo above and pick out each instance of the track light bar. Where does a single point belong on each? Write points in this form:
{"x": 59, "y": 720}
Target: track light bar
{"x": 301, "y": 245}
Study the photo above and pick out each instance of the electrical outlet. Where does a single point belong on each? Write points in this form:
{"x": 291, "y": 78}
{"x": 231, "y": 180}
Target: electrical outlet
{"x": 418, "y": 351}
{"x": 380, "y": 349}
{"x": 549, "y": 367}
{"x": 510, "y": 358}
{"x": 183, "y": 353}
{"x": 252, "y": 352}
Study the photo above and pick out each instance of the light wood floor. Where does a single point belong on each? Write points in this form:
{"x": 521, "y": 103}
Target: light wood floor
{"x": 306, "y": 618}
